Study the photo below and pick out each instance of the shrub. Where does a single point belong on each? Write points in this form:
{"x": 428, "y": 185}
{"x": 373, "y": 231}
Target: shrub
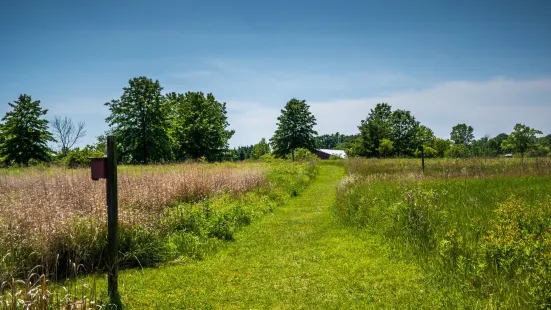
{"x": 80, "y": 158}
{"x": 458, "y": 151}
{"x": 302, "y": 154}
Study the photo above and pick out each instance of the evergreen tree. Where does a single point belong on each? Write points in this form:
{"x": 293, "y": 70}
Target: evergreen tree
{"x": 295, "y": 129}
{"x": 139, "y": 119}
{"x": 24, "y": 133}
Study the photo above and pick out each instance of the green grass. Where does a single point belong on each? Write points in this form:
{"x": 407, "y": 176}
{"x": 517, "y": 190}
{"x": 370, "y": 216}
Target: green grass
{"x": 484, "y": 239}
{"x": 300, "y": 256}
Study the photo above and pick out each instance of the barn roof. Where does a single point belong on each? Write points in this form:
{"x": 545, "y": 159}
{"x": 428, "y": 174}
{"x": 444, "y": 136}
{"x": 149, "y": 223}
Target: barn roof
{"x": 339, "y": 153}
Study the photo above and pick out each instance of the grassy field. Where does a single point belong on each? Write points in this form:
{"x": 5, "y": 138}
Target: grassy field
{"x": 480, "y": 229}
{"x": 473, "y": 234}
{"x": 53, "y": 221}
{"x": 298, "y": 257}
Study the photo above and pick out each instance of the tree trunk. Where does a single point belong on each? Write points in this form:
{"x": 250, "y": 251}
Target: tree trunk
{"x": 293, "y": 154}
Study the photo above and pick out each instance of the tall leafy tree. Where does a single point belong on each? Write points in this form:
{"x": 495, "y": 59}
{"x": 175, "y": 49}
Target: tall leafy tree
{"x": 404, "y": 129}
{"x": 199, "y": 126}
{"x": 259, "y": 149}
{"x": 482, "y": 147}
{"x": 462, "y": 134}
{"x": 522, "y": 139}
{"x": 295, "y": 129}
{"x": 25, "y": 133}
{"x": 441, "y": 146}
{"x": 495, "y": 143}
{"x": 376, "y": 127}
{"x": 139, "y": 120}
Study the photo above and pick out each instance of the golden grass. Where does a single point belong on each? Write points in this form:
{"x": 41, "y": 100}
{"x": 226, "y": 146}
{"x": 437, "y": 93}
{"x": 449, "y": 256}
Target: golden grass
{"x": 38, "y": 203}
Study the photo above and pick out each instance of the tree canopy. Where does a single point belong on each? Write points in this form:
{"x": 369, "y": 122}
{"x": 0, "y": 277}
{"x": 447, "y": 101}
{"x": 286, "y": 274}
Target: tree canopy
{"x": 462, "y": 134}
{"x": 199, "y": 126}
{"x": 139, "y": 119}
{"x": 398, "y": 126}
{"x": 295, "y": 129}
{"x": 260, "y": 149}
{"x": 522, "y": 139}
{"x": 25, "y": 134}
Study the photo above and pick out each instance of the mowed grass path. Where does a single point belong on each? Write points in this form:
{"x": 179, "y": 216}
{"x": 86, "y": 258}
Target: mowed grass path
{"x": 297, "y": 257}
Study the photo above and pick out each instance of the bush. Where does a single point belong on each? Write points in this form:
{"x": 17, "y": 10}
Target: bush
{"x": 458, "y": 151}
{"x": 80, "y": 158}
{"x": 302, "y": 154}
{"x": 429, "y": 152}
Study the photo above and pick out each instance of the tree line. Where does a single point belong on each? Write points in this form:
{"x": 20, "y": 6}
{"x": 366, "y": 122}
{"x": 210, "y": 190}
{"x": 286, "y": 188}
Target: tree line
{"x": 152, "y": 127}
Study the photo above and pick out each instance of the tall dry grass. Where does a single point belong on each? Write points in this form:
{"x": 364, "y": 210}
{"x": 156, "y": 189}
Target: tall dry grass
{"x": 38, "y": 206}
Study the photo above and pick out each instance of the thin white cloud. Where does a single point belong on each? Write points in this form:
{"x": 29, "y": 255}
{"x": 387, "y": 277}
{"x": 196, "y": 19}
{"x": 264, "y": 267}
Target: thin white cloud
{"x": 491, "y": 107}
{"x": 191, "y": 75}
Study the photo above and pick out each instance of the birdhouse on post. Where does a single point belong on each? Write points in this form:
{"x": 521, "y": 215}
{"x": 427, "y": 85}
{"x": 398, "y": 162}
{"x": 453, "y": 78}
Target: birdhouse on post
{"x": 106, "y": 168}
{"x": 99, "y": 168}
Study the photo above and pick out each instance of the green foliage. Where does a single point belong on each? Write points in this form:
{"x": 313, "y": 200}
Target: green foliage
{"x": 24, "y": 134}
{"x": 441, "y": 146}
{"x": 386, "y": 147}
{"x": 462, "y": 134}
{"x": 241, "y": 152}
{"x": 199, "y": 126}
{"x": 482, "y": 147}
{"x": 405, "y": 130}
{"x": 302, "y": 154}
{"x": 260, "y": 149}
{"x": 81, "y": 157}
{"x": 521, "y": 140}
{"x": 429, "y": 152}
{"x": 486, "y": 240}
{"x": 399, "y": 126}
{"x": 335, "y": 141}
{"x": 495, "y": 143}
{"x": 139, "y": 119}
{"x": 294, "y": 129}
{"x": 458, "y": 151}
{"x": 375, "y": 128}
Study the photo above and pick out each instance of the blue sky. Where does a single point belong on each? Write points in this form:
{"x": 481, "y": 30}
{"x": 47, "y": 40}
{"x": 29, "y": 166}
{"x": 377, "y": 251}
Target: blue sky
{"x": 486, "y": 63}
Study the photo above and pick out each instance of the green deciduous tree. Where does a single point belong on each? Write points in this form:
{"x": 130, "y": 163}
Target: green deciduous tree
{"x": 403, "y": 132}
{"x": 334, "y": 141}
{"x": 376, "y": 127}
{"x": 139, "y": 119}
{"x": 441, "y": 146}
{"x": 386, "y": 147}
{"x": 482, "y": 148}
{"x": 260, "y": 149}
{"x": 199, "y": 126}
{"x": 458, "y": 151}
{"x": 462, "y": 134}
{"x": 399, "y": 126}
{"x": 495, "y": 143}
{"x": 25, "y": 133}
{"x": 522, "y": 139}
{"x": 295, "y": 128}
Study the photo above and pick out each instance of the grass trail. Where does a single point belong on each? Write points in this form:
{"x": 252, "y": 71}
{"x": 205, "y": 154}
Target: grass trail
{"x": 297, "y": 257}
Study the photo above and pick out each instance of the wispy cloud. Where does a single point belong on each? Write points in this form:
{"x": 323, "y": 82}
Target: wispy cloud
{"x": 491, "y": 107}
{"x": 191, "y": 75}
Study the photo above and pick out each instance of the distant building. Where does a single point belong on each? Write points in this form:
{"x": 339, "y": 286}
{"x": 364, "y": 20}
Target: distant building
{"x": 325, "y": 153}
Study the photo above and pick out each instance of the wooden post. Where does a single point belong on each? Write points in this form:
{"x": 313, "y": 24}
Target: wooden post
{"x": 423, "y": 158}
{"x": 112, "y": 223}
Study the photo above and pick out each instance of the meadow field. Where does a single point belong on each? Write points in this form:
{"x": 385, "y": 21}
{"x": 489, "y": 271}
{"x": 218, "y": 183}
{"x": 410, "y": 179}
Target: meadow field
{"x": 53, "y": 220}
{"x": 464, "y": 234}
{"x": 479, "y": 228}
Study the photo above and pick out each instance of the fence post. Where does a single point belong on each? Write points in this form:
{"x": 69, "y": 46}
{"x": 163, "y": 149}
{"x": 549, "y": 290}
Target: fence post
{"x": 112, "y": 223}
{"x": 423, "y": 158}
